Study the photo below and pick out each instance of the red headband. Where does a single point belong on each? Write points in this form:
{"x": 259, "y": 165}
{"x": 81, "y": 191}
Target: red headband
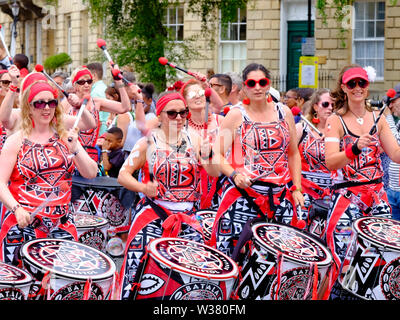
{"x": 82, "y": 73}
{"x": 32, "y": 77}
{"x": 39, "y": 87}
{"x": 161, "y": 103}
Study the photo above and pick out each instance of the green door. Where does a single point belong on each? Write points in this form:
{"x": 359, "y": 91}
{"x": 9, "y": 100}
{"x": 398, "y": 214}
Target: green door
{"x": 297, "y": 30}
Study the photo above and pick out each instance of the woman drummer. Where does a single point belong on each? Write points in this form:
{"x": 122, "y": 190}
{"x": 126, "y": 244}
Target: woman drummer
{"x": 263, "y": 160}
{"x": 194, "y": 93}
{"x": 170, "y": 160}
{"x": 316, "y": 177}
{"x": 37, "y": 163}
{"x": 82, "y": 80}
{"x": 352, "y": 153}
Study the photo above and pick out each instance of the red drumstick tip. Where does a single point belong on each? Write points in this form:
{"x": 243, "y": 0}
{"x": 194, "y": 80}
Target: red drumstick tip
{"x": 391, "y": 93}
{"x": 163, "y": 60}
{"x": 296, "y": 111}
{"x": 226, "y": 110}
{"x": 39, "y": 68}
{"x": 301, "y": 224}
{"x": 207, "y": 92}
{"x": 101, "y": 43}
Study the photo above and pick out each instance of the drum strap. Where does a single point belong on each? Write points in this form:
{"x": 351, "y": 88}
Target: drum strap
{"x": 207, "y": 195}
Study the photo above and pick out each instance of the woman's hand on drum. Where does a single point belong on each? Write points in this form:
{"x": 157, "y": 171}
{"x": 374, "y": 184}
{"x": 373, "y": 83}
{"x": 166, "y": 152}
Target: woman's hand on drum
{"x": 150, "y": 189}
{"x": 242, "y": 181}
{"x": 23, "y": 217}
{"x": 298, "y": 198}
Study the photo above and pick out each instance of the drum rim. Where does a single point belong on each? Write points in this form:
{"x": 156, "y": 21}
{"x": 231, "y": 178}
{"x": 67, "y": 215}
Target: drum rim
{"x": 26, "y": 281}
{"x": 105, "y": 276}
{"x": 361, "y": 234}
{"x": 159, "y": 258}
{"x": 100, "y": 225}
{"x": 326, "y": 262}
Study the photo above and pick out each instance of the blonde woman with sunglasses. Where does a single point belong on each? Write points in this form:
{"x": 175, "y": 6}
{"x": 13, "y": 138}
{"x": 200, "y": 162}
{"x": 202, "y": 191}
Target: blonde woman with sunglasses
{"x": 263, "y": 162}
{"x": 37, "y": 162}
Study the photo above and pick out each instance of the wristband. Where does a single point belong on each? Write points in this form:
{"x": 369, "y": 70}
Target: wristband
{"x": 13, "y": 88}
{"x": 355, "y": 149}
{"x": 352, "y": 151}
{"x": 294, "y": 188}
{"x": 105, "y": 151}
{"x": 15, "y": 208}
{"x": 140, "y": 101}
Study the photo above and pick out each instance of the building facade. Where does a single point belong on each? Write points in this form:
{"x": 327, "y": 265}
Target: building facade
{"x": 270, "y": 32}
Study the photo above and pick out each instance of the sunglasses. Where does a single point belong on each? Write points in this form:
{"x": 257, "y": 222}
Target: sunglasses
{"x": 353, "y": 83}
{"x": 82, "y": 82}
{"x": 193, "y": 93}
{"x": 173, "y": 114}
{"x": 251, "y": 83}
{"x": 5, "y": 82}
{"x": 41, "y": 104}
{"x": 326, "y": 104}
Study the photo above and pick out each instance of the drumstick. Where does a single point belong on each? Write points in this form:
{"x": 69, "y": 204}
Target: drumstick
{"x": 296, "y": 111}
{"x": 63, "y": 187}
{"x": 390, "y": 94}
{"x": 5, "y": 46}
{"x": 78, "y": 117}
{"x": 39, "y": 68}
{"x": 164, "y": 61}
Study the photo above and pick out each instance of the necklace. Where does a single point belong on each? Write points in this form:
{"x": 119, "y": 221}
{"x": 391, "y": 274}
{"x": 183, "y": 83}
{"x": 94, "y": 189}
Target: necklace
{"x": 360, "y": 120}
{"x": 179, "y": 145}
{"x": 198, "y": 126}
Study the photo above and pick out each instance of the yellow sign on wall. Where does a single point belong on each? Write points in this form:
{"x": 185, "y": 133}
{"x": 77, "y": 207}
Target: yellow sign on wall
{"x": 308, "y": 72}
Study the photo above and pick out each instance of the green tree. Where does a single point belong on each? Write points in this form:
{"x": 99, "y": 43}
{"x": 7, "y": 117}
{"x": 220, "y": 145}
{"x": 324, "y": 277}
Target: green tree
{"x": 136, "y": 36}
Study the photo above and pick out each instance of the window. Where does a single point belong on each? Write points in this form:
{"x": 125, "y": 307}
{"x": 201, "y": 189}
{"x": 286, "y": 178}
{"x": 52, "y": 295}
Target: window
{"x": 232, "y": 44}
{"x": 369, "y": 36}
{"x": 173, "y": 21}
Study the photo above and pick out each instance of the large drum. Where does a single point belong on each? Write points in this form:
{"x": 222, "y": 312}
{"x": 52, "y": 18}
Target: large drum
{"x": 206, "y": 219}
{"x": 15, "y": 283}
{"x": 92, "y": 230}
{"x": 179, "y": 269}
{"x": 317, "y": 216}
{"x": 69, "y": 270}
{"x": 101, "y": 196}
{"x": 371, "y": 269}
{"x": 284, "y": 263}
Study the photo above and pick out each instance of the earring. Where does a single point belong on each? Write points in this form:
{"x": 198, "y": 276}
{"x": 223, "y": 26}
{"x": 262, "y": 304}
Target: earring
{"x": 246, "y": 101}
{"x": 315, "y": 118}
{"x": 33, "y": 123}
{"x": 269, "y": 98}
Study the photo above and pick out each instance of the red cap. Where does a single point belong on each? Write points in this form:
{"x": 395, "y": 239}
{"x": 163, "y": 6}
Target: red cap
{"x": 354, "y": 73}
{"x": 39, "y": 68}
{"x": 163, "y": 60}
{"x": 100, "y": 43}
{"x": 295, "y": 111}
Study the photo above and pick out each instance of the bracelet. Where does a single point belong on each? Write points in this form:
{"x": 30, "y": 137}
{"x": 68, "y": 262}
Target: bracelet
{"x": 294, "y": 188}
{"x": 140, "y": 101}
{"x": 75, "y": 153}
{"x": 209, "y": 157}
{"x": 15, "y": 208}
{"x": 233, "y": 174}
{"x": 105, "y": 151}
{"x": 13, "y": 88}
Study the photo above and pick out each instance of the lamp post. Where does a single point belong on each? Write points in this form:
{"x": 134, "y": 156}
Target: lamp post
{"x": 15, "y": 12}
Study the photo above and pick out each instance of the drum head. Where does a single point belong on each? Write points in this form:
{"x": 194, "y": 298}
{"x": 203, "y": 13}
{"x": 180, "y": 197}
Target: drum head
{"x": 68, "y": 259}
{"x": 293, "y": 244}
{"x": 383, "y": 232}
{"x": 88, "y": 221}
{"x": 13, "y": 276}
{"x": 192, "y": 258}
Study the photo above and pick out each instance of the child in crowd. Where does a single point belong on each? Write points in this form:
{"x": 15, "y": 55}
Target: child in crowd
{"x": 112, "y": 154}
